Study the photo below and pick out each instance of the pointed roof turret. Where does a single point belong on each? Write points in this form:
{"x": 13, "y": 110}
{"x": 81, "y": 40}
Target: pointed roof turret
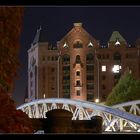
{"x": 116, "y": 36}
{"x": 40, "y": 36}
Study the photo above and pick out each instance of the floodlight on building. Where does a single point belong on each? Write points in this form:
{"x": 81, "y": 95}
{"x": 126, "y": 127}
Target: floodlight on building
{"x": 117, "y": 43}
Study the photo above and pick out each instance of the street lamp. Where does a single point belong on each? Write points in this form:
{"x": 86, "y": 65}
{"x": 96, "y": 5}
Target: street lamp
{"x": 97, "y": 100}
{"x": 98, "y": 72}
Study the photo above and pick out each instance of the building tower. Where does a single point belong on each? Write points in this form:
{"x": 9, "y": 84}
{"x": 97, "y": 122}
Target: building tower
{"x": 42, "y": 67}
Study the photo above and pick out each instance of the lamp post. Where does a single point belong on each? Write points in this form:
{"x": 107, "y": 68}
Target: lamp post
{"x": 97, "y": 100}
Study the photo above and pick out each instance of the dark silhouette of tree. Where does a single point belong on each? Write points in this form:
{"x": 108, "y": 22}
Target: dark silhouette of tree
{"x": 11, "y": 120}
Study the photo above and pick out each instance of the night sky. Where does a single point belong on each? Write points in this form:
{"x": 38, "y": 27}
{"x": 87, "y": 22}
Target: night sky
{"x": 99, "y": 21}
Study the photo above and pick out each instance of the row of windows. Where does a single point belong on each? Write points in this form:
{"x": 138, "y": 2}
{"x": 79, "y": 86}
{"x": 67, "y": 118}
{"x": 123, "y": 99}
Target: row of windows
{"x": 50, "y": 47}
{"x": 50, "y": 58}
{"x": 89, "y": 57}
{"x": 116, "y": 56}
{"x": 90, "y": 95}
{"x": 115, "y": 68}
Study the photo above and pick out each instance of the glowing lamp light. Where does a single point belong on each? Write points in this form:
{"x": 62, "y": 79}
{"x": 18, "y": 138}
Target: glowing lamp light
{"x": 117, "y": 43}
{"x": 65, "y": 46}
{"x": 97, "y": 100}
{"x": 116, "y": 69}
{"x": 43, "y": 95}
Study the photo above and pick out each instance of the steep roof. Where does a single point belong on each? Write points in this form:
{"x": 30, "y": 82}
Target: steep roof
{"x": 40, "y": 36}
{"x": 76, "y": 27}
{"x": 116, "y": 36}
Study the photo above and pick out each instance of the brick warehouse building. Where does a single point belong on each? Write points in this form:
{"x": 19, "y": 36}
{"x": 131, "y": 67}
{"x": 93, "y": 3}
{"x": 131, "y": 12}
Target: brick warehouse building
{"x": 79, "y": 67}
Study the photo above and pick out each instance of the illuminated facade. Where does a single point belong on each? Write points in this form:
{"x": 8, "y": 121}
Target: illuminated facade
{"x": 79, "y": 67}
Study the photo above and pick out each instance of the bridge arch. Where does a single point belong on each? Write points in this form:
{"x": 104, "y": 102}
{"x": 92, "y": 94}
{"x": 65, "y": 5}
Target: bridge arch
{"x": 113, "y": 119}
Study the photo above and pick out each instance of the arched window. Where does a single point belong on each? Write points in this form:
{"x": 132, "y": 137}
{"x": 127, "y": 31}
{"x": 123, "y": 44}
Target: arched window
{"x": 33, "y": 61}
{"x": 66, "y": 58}
{"x": 78, "y": 59}
{"x": 77, "y": 73}
{"x": 78, "y": 44}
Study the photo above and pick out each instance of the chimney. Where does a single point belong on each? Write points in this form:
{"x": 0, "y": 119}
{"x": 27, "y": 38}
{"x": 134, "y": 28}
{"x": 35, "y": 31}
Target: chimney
{"x": 77, "y": 24}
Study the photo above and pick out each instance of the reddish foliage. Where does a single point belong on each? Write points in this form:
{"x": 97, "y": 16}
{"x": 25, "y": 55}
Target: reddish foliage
{"x": 12, "y": 120}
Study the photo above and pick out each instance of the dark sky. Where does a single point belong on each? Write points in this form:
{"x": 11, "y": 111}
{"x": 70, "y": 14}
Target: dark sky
{"x": 99, "y": 21}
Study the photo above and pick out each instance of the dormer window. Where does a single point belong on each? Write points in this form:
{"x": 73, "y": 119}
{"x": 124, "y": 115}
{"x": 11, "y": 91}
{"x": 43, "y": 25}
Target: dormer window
{"x": 78, "y": 44}
{"x": 65, "y": 45}
{"x": 90, "y": 45}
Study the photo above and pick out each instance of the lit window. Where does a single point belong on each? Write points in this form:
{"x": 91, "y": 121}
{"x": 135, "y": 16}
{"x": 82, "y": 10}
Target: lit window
{"x": 103, "y": 68}
{"x": 116, "y": 68}
{"x": 78, "y": 92}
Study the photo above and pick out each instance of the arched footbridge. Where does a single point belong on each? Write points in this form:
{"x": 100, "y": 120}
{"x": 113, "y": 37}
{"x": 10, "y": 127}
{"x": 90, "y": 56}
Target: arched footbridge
{"x": 115, "y": 118}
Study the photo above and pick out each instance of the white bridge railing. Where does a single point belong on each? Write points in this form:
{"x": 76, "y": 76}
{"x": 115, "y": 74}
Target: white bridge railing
{"x": 132, "y": 107}
{"x": 113, "y": 118}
